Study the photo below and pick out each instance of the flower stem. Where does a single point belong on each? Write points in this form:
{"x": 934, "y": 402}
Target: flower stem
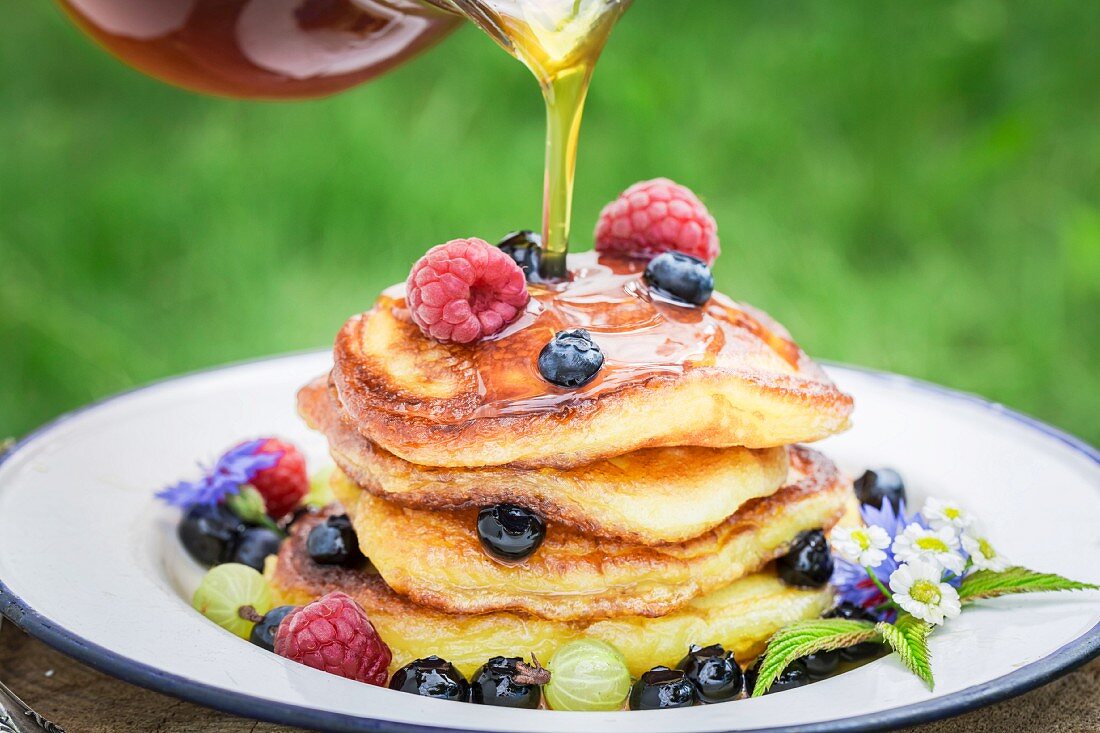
{"x": 882, "y": 589}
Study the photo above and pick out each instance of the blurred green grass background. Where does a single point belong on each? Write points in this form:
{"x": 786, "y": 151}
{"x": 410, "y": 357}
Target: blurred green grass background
{"x": 914, "y": 187}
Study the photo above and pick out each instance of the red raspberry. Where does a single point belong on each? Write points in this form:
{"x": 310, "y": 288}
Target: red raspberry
{"x": 465, "y": 290}
{"x": 284, "y": 485}
{"x": 333, "y": 634}
{"x": 655, "y": 216}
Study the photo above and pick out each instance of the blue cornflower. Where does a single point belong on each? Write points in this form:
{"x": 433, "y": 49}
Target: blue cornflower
{"x": 235, "y": 468}
{"x": 851, "y": 581}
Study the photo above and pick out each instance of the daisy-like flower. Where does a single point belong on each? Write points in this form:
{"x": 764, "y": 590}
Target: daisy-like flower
{"x": 937, "y": 546}
{"x": 941, "y": 513}
{"x": 861, "y": 545}
{"x": 983, "y": 555}
{"x": 917, "y": 588}
{"x": 234, "y": 469}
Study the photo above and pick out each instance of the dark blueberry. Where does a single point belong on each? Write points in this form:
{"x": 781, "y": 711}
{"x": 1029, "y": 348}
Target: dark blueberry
{"x": 210, "y": 532}
{"x": 808, "y": 564}
{"x": 571, "y": 359}
{"x": 510, "y": 533}
{"x": 863, "y": 650}
{"x": 680, "y": 277}
{"x": 263, "y": 633}
{"x": 333, "y": 542}
{"x": 662, "y": 688}
{"x": 714, "y": 673}
{"x": 751, "y": 674}
{"x": 852, "y": 612}
{"x": 881, "y": 483}
{"x": 525, "y": 248}
{"x": 255, "y": 545}
{"x": 431, "y": 677}
{"x": 820, "y": 665}
{"x": 508, "y": 682}
{"x": 793, "y": 676}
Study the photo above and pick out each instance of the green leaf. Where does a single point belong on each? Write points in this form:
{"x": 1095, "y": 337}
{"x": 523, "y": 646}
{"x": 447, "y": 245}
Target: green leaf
{"x": 988, "y": 584}
{"x": 908, "y": 636}
{"x": 806, "y": 637}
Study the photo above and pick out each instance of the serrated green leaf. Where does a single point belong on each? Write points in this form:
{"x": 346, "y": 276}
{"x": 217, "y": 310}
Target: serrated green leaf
{"x": 908, "y": 637}
{"x": 806, "y": 637}
{"x": 988, "y": 584}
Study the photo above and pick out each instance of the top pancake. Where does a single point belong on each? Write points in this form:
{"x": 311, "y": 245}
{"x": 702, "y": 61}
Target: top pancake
{"x": 719, "y": 375}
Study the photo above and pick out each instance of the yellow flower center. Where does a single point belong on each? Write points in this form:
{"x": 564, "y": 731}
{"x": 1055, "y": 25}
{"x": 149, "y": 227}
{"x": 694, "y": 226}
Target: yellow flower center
{"x": 932, "y": 544}
{"x": 925, "y": 591}
{"x": 862, "y": 539}
{"x": 952, "y": 513}
{"x": 986, "y": 549}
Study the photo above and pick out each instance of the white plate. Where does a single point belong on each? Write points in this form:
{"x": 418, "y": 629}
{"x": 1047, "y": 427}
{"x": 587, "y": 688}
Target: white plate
{"x": 89, "y": 561}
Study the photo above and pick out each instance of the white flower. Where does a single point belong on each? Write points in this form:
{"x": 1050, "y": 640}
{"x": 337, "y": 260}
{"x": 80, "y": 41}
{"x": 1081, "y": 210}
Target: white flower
{"x": 940, "y": 513}
{"x": 983, "y": 554}
{"x": 861, "y": 545}
{"x": 938, "y": 546}
{"x": 917, "y": 588}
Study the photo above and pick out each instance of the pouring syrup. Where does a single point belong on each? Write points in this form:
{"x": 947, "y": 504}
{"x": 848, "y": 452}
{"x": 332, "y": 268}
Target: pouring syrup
{"x": 560, "y": 42}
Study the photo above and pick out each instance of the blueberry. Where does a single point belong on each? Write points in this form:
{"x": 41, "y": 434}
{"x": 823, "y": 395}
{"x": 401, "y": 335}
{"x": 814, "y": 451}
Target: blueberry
{"x": 852, "y": 612}
{"x": 820, "y": 665}
{"x": 880, "y": 484}
{"x": 571, "y": 359}
{"x": 210, "y": 532}
{"x": 751, "y": 675}
{"x": 510, "y": 533}
{"x": 680, "y": 277}
{"x": 263, "y": 633}
{"x": 863, "y": 650}
{"x": 808, "y": 564}
{"x": 509, "y": 683}
{"x": 333, "y": 542}
{"x": 431, "y": 677}
{"x": 255, "y": 545}
{"x": 525, "y": 248}
{"x": 662, "y": 688}
{"x": 714, "y": 673}
{"x": 793, "y": 676}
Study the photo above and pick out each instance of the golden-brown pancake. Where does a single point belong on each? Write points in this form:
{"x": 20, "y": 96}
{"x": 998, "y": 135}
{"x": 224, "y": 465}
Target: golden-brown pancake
{"x": 719, "y": 375}
{"x": 436, "y": 559}
{"x": 650, "y": 496}
{"x": 740, "y": 616}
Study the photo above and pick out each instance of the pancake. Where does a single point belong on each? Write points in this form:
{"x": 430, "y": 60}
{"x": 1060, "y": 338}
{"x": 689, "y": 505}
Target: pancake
{"x": 741, "y": 617}
{"x": 436, "y": 559}
{"x": 624, "y": 498}
{"x": 719, "y": 375}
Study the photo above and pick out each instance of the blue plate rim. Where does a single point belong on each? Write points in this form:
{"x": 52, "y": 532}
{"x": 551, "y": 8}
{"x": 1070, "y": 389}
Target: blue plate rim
{"x": 1064, "y": 659}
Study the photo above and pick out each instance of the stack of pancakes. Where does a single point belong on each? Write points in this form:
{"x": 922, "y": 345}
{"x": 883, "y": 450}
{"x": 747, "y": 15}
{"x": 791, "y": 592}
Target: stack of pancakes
{"x": 667, "y": 484}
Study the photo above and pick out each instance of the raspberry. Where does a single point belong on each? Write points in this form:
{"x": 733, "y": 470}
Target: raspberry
{"x": 656, "y": 216}
{"x": 285, "y": 484}
{"x": 334, "y": 635}
{"x": 465, "y": 290}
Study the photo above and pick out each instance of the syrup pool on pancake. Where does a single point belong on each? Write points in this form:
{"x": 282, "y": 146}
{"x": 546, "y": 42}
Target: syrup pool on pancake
{"x": 640, "y": 335}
